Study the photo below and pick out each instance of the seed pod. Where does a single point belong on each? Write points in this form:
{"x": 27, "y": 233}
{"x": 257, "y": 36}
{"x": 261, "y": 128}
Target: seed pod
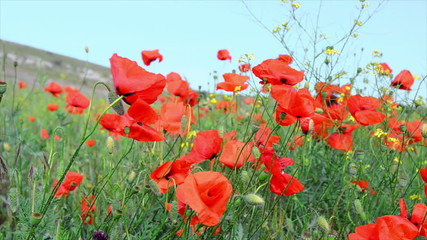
{"x": 36, "y": 218}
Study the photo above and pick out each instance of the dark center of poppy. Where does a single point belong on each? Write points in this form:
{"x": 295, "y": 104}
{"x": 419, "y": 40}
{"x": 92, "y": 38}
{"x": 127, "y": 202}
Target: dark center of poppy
{"x": 283, "y": 80}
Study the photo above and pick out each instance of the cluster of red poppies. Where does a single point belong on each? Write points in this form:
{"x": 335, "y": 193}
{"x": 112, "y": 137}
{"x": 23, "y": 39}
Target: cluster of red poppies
{"x": 391, "y": 227}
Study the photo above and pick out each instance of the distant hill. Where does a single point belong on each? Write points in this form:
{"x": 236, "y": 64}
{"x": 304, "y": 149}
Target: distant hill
{"x": 37, "y": 64}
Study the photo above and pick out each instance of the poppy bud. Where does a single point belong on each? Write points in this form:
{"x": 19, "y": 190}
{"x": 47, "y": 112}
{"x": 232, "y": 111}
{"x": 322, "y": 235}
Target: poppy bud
{"x": 173, "y": 212}
{"x": 132, "y": 176}
{"x": 36, "y": 218}
{"x": 6, "y": 147}
{"x": 86, "y": 49}
{"x": 110, "y": 144}
{"x": 307, "y": 84}
{"x": 358, "y": 206}
{"x": 15, "y": 64}
{"x": 359, "y": 70}
{"x": 256, "y": 152}
{"x": 154, "y": 188}
{"x": 424, "y": 130}
{"x": 245, "y": 176}
{"x": 118, "y": 107}
{"x": 323, "y": 223}
{"x": 262, "y": 176}
{"x": 253, "y": 199}
{"x": 327, "y": 60}
{"x": 318, "y": 110}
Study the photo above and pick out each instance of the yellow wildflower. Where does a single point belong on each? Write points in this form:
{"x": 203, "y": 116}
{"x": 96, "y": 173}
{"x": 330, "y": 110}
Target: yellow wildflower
{"x": 415, "y": 197}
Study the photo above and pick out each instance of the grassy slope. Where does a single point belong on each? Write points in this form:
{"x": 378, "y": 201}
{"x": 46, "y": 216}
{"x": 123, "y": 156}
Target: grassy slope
{"x": 34, "y": 63}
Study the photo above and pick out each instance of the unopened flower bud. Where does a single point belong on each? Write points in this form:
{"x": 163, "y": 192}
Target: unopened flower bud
{"x": 323, "y": 223}
{"x": 253, "y": 199}
{"x": 131, "y": 176}
{"x": 403, "y": 128}
{"x": 118, "y": 107}
{"x": 256, "y": 152}
{"x": 358, "y": 206}
{"x": 327, "y": 60}
{"x": 424, "y": 130}
{"x": 154, "y": 187}
{"x": 86, "y": 49}
{"x": 403, "y": 181}
{"x": 244, "y": 175}
{"x": 110, "y": 144}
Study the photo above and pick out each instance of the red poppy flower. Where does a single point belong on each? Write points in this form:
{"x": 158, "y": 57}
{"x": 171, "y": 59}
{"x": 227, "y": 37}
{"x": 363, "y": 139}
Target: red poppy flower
{"x": 72, "y": 181}
{"x": 170, "y": 173}
{"x": 52, "y": 107}
{"x": 68, "y": 89}
{"x": 54, "y": 88}
{"x": 233, "y": 82}
{"x": 31, "y": 119}
{"x": 249, "y": 101}
{"x": 384, "y": 69}
{"x": 293, "y": 104}
{"x": 150, "y": 56}
{"x": 273, "y": 163}
{"x": 264, "y": 137}
{"x": 132, "y": 81}
{"x": 171, "y": 114}
{"x": 297, "y": 142}
{"x": 386, "y": 227}
{"x": 226, "y": 106}
{"x": 235, "y": 154}
{"x": 285, "y": 58}
{"x": 277, "y": 72}
{"x": 404, "y": 80}
{"x": 285, "y": 184}
{"x": 363, "y": 109}
{"x": 91, "y": 142}
{"x": 136, "y": 121}
{"x": 178, "y": 87}
{"x": 207, "y": 193}
{"x": 76, "y": 102}
{"x": 44, "y": 134}
{"x": 206, "y": 145}
{"x": 22, "y": 84}
{"x": 223, "y": 54}
{"x": 423, "y": 173}
{"x": 245, "y": 67}
{"x": 88, "y": 209}
{"x": 193, "y": 98}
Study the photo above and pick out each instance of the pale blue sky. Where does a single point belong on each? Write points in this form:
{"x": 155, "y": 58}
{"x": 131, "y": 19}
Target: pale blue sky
{"x": 189, "y": 33}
